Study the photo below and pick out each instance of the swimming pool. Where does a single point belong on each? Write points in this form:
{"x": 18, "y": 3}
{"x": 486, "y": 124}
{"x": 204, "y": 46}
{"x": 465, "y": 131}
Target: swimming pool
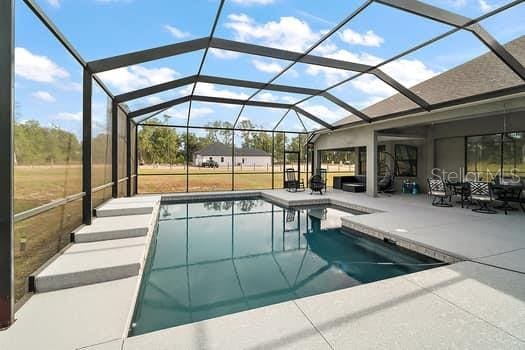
{"x": 215, "y": 258}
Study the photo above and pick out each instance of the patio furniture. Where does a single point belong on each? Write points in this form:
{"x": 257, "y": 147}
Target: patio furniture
{"x": 354, "y": 188}
{"x": 292, "y": 184}
{"x": 386, "y": 184}
{"x": 461, "y": 189}
{"x": 481, "y": 192}
{"x": 439, "y": 191}
{"x": 355, "y": 183}
{"x": 508, "y": 192}
{"x": 316, "y": 184}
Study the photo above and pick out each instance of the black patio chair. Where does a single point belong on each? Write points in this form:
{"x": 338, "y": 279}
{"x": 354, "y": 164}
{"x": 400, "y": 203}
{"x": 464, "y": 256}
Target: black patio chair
{"x": 481, "y": 192}
{"x": 386, "y": 184}
{"x": 316, "y": 184}
{"x": 292, "y": 183}
{"x": 439, "y": 191}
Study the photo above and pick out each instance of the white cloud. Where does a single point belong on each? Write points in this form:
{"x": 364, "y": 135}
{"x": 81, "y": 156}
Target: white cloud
{"x": 224, "y": 54}
{"x": 333, "y": 75}
{"x": 289, "y": 33}
{"x": 137, "y": 77}
{"x": 267, "y": 67}
{"x": 154, "y": 100}
{"x": 369, "y": 38}
{"x": 207, "y": 89}
{"x": 176, "y": 32}
{"x": 54, "y": 3}
{"x": 325, "y": 113}
{"x": 44, "y": 96}
{"x": 409, "y": 72}
{"x": 371, "y": 85}
{"x": 201, "y": 111}
{"x": 266, "y": 97}
{"x": 37, "y": 68}
{"x": 254, "y": 2}
{"x": 484, "y": 6}
{"x": 179, "y": 112}
{"x": 67, "y": 116}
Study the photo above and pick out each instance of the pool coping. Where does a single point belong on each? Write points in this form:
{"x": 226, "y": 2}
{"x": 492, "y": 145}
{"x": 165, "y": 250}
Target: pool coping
{"x": 136, "y": 293}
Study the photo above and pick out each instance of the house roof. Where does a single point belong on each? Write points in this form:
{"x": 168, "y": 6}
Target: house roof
{"x": 480, "y": 75}
{"x": 220, "y": 149}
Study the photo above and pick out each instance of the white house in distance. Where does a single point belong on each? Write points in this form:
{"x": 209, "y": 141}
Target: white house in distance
{"x": 222, "y": 154}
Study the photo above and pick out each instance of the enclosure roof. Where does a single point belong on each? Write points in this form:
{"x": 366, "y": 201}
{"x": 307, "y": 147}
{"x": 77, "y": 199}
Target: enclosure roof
{"x": 290, "y": 64}
{"x": 222, "y": 150}
{"x": 480, "y": 75}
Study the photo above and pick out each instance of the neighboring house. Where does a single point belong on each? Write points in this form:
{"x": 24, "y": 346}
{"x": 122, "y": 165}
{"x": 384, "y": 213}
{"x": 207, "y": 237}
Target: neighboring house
{"x": 222, "y": 154}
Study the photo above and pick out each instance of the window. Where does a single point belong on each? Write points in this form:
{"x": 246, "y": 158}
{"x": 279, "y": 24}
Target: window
{"x": 491, "y": 155}
{"x": 513, "y": 153}
{"x": 222, "y": 159}
{"x": 406, "y": 160}
{"x": 338, "y": 163}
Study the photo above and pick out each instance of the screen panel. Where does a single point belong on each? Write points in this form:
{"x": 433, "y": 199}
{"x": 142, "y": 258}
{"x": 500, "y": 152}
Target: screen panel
{"x": 132, "y": 25}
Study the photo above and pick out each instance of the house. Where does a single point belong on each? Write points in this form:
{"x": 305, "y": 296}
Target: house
{"x": 222, "y": 154}
{"x": 475, "y": 127}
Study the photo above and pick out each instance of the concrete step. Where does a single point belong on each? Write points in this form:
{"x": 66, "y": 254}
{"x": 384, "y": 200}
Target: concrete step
{"x": 127, "y": 206}
{"x": 88, "y": 263}
{"x": 117, "y": 227}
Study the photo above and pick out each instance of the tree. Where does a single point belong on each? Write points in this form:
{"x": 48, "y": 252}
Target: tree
{"x": 36, "y": 144}
{"x": 160, "y": 144}
{"x": 218, "y": 134}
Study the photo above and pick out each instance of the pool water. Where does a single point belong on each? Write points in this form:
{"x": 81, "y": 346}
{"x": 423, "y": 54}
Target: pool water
{"x": 215, "y": 258}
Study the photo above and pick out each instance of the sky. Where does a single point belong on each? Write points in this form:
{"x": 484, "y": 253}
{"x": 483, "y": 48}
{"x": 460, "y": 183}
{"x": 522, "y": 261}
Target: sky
{"x": 48, "y": 80}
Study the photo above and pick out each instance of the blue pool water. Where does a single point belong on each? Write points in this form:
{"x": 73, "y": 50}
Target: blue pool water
{"x": 216, "y": 258}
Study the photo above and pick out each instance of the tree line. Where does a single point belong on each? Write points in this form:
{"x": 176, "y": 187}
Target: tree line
{"x": 36, "y": 144}
{"x": 166, "y": 145}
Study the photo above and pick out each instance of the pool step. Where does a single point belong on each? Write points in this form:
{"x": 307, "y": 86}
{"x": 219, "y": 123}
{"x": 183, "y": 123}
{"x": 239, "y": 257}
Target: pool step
{"x": 117, "y": 227}
{"x": 127, "y": 206}
{"x": 88, "y": 263}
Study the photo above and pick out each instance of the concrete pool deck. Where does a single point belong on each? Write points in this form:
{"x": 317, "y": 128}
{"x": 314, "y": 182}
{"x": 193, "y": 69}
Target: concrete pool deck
{"x": 463, "y": 305}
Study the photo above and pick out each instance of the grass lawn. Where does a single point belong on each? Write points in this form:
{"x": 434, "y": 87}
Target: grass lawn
{"x": 39, "y": 238}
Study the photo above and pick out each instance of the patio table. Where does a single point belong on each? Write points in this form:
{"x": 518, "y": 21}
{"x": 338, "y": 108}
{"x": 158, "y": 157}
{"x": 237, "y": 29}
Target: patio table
{"x": 507, "y": 191}
{"x": 461, "y": 188}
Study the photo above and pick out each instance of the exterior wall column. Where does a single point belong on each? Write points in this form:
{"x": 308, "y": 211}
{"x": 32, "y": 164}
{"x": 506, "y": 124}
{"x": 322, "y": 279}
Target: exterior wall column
{"x": 430, "y": 155}
{"x": 371, "y": 164}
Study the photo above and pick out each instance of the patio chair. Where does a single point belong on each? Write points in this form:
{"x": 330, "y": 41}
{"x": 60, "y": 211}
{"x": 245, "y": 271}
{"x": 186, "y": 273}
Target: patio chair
{"x": 439, "y": 192}
{"x": 386, "y": 184}
{"x": 316, "y": 184}
{"x": 292, "y": 183}
{"x": 481, "y": 192}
